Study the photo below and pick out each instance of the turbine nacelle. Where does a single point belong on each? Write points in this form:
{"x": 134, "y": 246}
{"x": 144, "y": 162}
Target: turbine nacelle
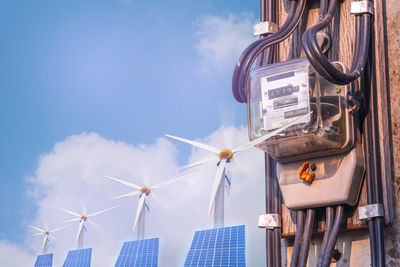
{"x": 226, "y": 154}
{"x": 82, "y": 218}
{"x": 145, "y": 190}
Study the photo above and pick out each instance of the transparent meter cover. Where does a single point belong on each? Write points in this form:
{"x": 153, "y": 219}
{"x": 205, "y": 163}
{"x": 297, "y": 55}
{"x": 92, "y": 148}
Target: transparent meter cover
{"x": 282, "y": 92}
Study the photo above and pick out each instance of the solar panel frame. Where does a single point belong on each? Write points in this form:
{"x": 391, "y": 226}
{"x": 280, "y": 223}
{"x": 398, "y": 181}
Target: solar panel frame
{"x": 218, "y": 247}
{"x": 44, "y": 260}
{"x": 139, "y": 253}
{"x": 78, "y": 258}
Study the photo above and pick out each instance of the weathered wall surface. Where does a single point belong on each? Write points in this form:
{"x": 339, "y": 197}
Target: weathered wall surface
{"x": 392, "y": 236}
{"x": 355, "y": 246}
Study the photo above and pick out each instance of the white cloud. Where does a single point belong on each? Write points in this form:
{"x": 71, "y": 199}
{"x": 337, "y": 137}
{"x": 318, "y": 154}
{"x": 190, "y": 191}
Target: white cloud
{"x": 70, "y": 177}
{"x": 221, "y": 40}
{"x": 12, "y": 254}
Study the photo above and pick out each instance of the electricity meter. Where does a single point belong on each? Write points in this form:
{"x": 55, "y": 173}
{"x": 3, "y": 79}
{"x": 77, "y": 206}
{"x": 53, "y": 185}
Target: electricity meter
{"x": 326, "y": 139}
{"x": 280, "y": 93}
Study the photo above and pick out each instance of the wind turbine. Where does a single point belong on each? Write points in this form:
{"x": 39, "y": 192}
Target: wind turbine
{"x": 143, "y": 192}
{"x": 82, "y": 218}
{"x": 222, "y": 157}
{"x": 45, "y": 234}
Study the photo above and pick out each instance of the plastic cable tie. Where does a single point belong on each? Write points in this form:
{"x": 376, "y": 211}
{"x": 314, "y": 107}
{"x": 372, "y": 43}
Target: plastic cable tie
{"x": 269, "y": 221}
{"x": 370, "y": 211}
{"x": 362, "y": 7}
{"x": 265, "y": 27}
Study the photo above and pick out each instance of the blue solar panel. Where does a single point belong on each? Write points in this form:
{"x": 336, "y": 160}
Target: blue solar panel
{"x": 139, "y": 253}
{"x": 218, "y": 247}
{"x": 45, "y": 260}
{"x": 78, "y": 258}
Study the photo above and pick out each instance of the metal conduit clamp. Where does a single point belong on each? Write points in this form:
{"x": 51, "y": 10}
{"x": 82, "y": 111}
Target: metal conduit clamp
{"x": 269, "y": 221}
{"x": 265, "y": 27}
{"x": 370, "y": 211}
{"x": 362, "y": 7}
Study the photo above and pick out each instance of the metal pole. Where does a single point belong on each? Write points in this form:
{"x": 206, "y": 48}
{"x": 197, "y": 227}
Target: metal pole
{"x": 219, "y": 204}
{"x": 141, "y": 222}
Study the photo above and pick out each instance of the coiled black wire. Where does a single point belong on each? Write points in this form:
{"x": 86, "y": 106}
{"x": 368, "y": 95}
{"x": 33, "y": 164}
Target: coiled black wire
{"x": 319, "y": 60}
{"x": 246, "y": 60}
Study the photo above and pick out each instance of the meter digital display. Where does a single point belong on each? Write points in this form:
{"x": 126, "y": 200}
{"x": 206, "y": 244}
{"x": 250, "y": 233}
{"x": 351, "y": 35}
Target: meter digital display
{"x": 285, "y": 97}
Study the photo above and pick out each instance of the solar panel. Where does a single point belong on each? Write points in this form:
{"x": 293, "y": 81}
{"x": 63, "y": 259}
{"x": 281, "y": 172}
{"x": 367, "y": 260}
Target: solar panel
{"x": 218, "y": 247}
{"x": 78, "y": 258}
{"x": 139, "y": 253}
{"x": 45, "y": 260}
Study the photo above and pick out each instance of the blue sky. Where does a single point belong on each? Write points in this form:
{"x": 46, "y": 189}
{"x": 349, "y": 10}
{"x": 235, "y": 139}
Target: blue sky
{"x": 128, "y": 71}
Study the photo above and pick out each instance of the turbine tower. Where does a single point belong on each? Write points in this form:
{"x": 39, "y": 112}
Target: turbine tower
{"x": 45, "y": 234}
{"x": 221, "y": 158}
{"x": 143, "y": 193}
{"x": 82, "y": 218}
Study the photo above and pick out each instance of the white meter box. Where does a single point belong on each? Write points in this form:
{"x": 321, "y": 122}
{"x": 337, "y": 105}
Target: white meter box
{"x": 282, "y": 92}
{"x": 285, "y": 96}
{"x": 319, "y": 159}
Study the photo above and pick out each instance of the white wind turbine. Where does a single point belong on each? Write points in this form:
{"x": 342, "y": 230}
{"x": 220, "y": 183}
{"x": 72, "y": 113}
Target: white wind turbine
{"x": 82, "y": 218}
{"x": 143, "y": 192}
{"x": 45, "y": 234}
{"x": 221, "y": 158}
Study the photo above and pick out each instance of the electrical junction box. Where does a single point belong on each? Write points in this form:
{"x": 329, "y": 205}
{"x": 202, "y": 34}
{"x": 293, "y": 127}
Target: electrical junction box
{"x": 326, "y": 141}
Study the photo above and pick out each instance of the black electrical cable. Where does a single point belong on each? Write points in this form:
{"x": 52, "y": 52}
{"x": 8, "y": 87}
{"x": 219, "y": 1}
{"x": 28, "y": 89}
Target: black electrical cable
{"x": 277, "y": 209}
{"x": 323, "y": 4}
{"x": 368, "y": 172}
{"x": 329, "y": 216}
{"x": 379, "y": 221}
{"x": 239, "y": 95}
{"x": 319, "y": 60}
{"x": 307, "y": 237}
{"x": 295, "y": 48}
{"x": 373, "y": 168}
{"x": 244, "y": 69}
{"x": 333, "y": 236}
{"x": 269, "y": 176}
{"x": 357, "y": 39}
{"x": 298, "y": 238}
{"x": 248, "y": 56}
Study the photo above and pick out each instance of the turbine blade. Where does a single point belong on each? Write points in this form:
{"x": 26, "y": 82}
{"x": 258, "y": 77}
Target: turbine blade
{"x": 70, "y": 212}
{"x": 218, "y": 176}
{"x": 139, "y": 210}
{"x": 38, "y": 229}
{"x": 123, "y": 182}
{"x": 38, "y": 234}
{"x": 59, "y": 228}
{"x": 102, "y": 211}
{"x": 127, "y": 195}
{"x": 170, "y": 181}
{"x": 196, "y": 144}
{"x": 73, "y": 220}
{"x": 200, "y": 162}
{"x": 268, "y": 135}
